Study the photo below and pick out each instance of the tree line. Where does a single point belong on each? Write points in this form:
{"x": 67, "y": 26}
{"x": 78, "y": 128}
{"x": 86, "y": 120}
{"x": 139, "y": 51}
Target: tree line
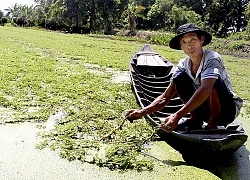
{"x": 219, "y": 17}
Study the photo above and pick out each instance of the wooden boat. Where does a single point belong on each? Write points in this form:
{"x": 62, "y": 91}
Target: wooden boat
{"x": 150, "y": 75}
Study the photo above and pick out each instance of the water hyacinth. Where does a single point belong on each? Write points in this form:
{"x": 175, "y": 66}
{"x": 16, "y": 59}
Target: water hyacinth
{"x": 73, "y": 90}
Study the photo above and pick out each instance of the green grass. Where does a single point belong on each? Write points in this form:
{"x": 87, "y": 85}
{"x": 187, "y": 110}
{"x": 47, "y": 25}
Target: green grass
{"x": 43, "y": 73}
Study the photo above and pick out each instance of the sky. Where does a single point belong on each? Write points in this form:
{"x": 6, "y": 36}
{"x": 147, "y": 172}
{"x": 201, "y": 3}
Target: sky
{"x": 4, "y": 4}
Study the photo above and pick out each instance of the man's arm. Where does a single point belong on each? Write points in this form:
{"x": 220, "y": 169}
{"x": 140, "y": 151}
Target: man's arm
{"x": 197, "y": 99}
{"x": 159, "y": 103}
{"x": 202, "y": 93}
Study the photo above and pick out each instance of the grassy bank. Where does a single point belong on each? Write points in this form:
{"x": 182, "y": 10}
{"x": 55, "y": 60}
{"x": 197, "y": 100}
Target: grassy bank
{"x": 236, "y": 44}
{"x": 71, "y": 77}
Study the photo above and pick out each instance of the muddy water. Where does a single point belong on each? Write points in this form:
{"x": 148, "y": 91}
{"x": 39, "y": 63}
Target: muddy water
{"x": 19, "y": 159}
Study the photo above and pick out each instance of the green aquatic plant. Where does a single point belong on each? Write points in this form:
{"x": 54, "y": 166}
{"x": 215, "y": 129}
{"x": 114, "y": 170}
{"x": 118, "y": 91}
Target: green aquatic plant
{"x": 67, "y": 80}
{"x": 81, "y": 141}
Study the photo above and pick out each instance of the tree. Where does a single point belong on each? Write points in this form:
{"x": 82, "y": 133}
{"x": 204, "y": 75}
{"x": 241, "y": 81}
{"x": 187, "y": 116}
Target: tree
{"x": 106, "y": 8}
{"x": 141, "y": 21}
{"x": 1, "y": 14}
{"x": 194, "y": 5}
{"x": 160, "y": 14}
{"x": 247, "y": 15}
{"x": 24, "y": 16}
{"x": 2, "y": 19}
{"x": 12, "y": 12}
{"x": 81, "y": 16}
{"x": 182, "y": 15}
{"x": 224, "y": 16}
{"x": 55, "y": 15}
{"x": 91, "y": 13}
{"x": 41, "y": 14}
{"x": 131, "y": 14}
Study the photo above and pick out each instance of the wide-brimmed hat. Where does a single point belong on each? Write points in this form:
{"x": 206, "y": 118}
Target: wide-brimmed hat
{"x": 188, "y": 28}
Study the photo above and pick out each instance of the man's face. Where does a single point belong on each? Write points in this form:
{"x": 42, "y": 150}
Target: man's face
{"x": 191, "y": 44}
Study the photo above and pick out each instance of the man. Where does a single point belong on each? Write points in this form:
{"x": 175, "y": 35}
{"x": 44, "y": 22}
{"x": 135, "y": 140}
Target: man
{"x": 202, "y": 83}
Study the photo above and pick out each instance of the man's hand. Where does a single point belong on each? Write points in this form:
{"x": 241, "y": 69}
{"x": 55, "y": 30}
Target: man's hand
{"x": 133, "y": 114}
{"x": 170, "y": 123}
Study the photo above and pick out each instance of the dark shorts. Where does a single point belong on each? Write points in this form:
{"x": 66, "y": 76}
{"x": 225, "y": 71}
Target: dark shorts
{"x": 186, "y": 88}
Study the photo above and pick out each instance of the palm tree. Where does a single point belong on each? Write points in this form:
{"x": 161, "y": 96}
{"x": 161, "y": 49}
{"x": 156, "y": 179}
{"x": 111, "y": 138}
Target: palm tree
{"x": 132, "y": 13}
{"x": 12, "y": 12}
{"x": 42, "y": 14}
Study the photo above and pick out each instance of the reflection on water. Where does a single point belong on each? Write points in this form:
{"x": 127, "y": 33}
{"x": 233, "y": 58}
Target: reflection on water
{"x": 234, "y": 166}
{"x": 237, "y": 167}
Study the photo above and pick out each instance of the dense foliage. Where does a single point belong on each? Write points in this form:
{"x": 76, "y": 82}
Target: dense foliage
{"x": 218, "y": 16}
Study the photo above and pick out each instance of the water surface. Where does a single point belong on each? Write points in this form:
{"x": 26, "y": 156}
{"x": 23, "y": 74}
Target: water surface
{"x": 19, "y": 159}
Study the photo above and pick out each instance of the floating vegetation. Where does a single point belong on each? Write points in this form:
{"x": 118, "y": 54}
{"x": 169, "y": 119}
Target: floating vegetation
{"x": 78, "y": 87}
{"x": 88, "y": 141}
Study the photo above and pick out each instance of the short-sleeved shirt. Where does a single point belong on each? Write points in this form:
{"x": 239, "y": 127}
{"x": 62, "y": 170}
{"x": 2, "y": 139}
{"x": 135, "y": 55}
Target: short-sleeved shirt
{"x": 211, "y": 66}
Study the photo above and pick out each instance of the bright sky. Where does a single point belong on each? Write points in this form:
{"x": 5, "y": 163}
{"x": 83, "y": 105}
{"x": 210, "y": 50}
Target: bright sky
{"x": 4, "y": 4}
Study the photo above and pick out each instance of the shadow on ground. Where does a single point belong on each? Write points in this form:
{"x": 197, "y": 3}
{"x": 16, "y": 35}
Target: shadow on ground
{"x": 233, "y": 166}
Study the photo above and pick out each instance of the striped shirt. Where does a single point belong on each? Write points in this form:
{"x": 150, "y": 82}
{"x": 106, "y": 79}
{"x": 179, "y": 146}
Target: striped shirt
{"x": 211, "y": 66}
